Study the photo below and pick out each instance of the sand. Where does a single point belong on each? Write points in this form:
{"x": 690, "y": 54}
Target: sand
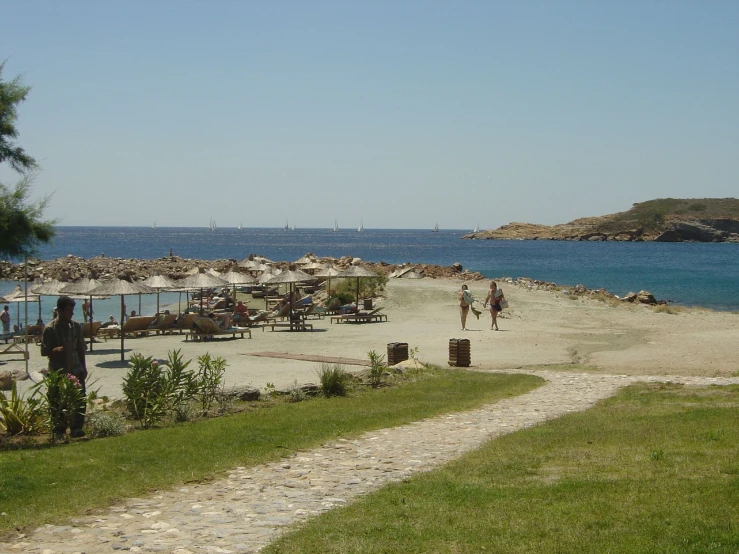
{"x": 539, "y": 329}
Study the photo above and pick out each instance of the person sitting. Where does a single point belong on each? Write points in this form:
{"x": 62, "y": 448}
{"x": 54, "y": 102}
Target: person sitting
{"x": 240, "y": 312}
{"x": 110, "y": 323}
{"x": 222, "y": 320}
{"x": 349, "y": 309}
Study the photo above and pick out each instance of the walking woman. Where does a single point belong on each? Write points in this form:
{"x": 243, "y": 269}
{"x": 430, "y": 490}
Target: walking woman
{"x": 494, "y": 298}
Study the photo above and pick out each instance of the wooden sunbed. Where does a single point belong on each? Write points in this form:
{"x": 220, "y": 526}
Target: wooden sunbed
{"x": 205, "y": 327}
{"x": 166, "y": 324}
{"x": 362, "y": 317}
{"x": 297, "y": 325}
{"x": 95, "y": 328}
{"x": 13, "y": 347}
{"x": 138, "y": 326}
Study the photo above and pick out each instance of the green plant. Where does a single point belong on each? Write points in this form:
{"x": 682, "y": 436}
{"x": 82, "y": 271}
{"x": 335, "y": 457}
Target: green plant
{"x": 65, "y": 400}
{"x": 106, "y": 424}
{"x": 296, "y": 393}
{"x": 377, "y": 368}
{"x": 334, "y": 379}
{"x": 143, "y": 390}
{"x": 20, "y": 415}
{"x": 180, "y": 385}
{"x": 270, "y": 390}
{"x": 209, "y": 379}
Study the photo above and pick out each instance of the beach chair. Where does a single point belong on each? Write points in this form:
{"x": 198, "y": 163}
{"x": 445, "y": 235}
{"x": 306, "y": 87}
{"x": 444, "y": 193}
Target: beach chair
{"x": 13, "y": 347}
{"x": 86, "y": 329}
{"x": 137, "y": 326}
{"x": 165, "y": 325}
{"x": 362, "y": 317}
{"x": 205, "y": 328}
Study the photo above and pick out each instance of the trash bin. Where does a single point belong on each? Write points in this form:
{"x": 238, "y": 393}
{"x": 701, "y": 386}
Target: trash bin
{"x": 459, "y": 352}
{"x": 367, "y": 303}
{"x": 396, "y": 352}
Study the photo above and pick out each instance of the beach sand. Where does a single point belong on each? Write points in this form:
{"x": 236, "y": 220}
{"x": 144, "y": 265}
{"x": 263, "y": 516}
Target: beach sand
{"x": 540, "y": 328}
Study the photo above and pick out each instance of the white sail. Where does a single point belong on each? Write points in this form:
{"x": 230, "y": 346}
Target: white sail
{"x": 477, "y": 228}
{"x": 361, "y": 226}
{"x": 286, "y": 227}
{"x": 240, "y": 227}
{"x": 154, "y": 226}
{"x": 436, "y": 228}
{"x": 336, "y": 226}
{"x": 212, "y": 225}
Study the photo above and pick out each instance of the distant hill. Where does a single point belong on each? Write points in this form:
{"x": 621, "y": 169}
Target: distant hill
{"x": 661, "y": 220}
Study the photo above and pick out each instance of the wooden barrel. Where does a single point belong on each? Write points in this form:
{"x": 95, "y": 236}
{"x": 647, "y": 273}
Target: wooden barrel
{"x": 396, "y": 352}
{"x": 459, "y": 352}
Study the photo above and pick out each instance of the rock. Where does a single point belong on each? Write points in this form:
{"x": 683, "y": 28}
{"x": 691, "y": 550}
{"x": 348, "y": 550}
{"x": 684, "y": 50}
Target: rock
{"x": 630, "y": 297}
{"x": 456, "y": 266}
{"x": 646, "y": 297}
{"x": 6, "y": 380}
{"x": 247, "y": 394}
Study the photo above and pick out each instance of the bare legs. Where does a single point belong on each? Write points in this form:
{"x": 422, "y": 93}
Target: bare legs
{"x": 494, "y": 316}
{"x": 463, "y": 311}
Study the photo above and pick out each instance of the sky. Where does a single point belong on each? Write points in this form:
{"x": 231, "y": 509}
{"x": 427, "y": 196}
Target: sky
{"x": 399, "y": 114}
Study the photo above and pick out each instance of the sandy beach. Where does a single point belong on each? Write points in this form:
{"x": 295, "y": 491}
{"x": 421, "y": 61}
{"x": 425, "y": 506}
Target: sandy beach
{"x": 540, "y": 328}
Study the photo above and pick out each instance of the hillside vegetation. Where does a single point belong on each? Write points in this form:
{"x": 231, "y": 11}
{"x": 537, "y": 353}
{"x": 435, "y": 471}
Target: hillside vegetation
{"x": 663, "y": 219}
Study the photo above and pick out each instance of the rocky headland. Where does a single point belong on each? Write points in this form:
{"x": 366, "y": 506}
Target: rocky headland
{"x": 661, "y": 220}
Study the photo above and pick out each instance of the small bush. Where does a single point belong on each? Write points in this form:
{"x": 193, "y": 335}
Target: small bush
{"x": 296, "y": 393}
{"x": 209, "y": 379}
{"x": 20, "y": 415}
{"x": 334, "y": 379}
{"x": 106, "y": 424}
{"x": 377, "y": 368}
{"x": 184, "y": 411}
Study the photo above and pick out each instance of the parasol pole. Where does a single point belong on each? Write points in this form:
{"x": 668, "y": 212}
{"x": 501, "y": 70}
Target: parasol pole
{"x": 25, "y": 304}
{"x": 123, "y": 311}
{"x": 91, "y": 318}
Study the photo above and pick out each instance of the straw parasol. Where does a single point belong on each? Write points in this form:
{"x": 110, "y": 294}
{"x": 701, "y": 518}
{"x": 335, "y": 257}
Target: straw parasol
{"x": 328, "y": 273}
{"x": 359, "y": 272}
{"x": 200, "y": 280}
{"x": 120, "y": 287}
{"x": 237, "y": 278}
{"x": 159, "y": 282}
{"x": 18, "y": 295}
{"x": 49, "y": 288}
{"x": 81, "y": 289}
{"x": 290, "y": 276}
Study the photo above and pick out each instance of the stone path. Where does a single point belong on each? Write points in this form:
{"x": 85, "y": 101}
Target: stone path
{"x": 246, "y": 510}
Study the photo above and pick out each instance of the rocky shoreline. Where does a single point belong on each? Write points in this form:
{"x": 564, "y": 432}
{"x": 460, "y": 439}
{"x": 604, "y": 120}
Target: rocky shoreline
{"x": 71, "y": 268}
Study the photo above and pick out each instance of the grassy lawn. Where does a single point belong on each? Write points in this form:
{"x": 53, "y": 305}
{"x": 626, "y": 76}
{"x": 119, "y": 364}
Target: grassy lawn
{"x": 654, "y": 469}
{"x": 45, "y": 484}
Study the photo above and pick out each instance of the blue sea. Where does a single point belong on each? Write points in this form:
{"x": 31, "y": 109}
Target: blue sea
{"x": 691, "y": 274}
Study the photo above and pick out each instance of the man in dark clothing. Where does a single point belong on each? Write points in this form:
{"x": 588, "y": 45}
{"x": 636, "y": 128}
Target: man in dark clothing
{"x": 62, "y": 343}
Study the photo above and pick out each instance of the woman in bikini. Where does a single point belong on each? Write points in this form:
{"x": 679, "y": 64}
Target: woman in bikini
{"x": 494, "y": 297}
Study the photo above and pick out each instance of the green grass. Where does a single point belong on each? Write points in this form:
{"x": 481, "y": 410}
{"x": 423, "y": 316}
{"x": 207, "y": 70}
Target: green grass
{"x": 45, "y": 484}
{"x": 654, "y": 469}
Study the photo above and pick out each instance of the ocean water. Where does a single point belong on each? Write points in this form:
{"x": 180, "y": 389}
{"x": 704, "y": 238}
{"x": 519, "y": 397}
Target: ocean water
{"x": 691, "y": 274}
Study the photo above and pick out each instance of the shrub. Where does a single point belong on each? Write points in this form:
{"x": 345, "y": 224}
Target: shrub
{"x": 64, "y": 399}
{"x": 209, "y": 380}
{"x": 334, "y": 379}
{"x": 377, "y": 368}
{"x": 106, "y": 424}
{"x": 144, "y": 390}
{"x": 20, "y": 415}
{"x": 296, "y": 393}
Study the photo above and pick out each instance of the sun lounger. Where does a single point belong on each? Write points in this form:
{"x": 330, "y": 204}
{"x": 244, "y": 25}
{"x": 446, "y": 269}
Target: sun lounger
{"x": 95, "y": 328}
{"x": 362, "y": 317}
{"x": 205, "y": 327}
{"x": 297, "y": 325}
{"x": 32, "y": 334}
{"x": 165, "y": 325}
{"x": 137, "y": 326}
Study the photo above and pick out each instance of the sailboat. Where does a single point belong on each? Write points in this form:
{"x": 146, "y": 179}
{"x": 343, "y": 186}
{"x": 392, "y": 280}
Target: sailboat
{"x": 240, "y": 227}
{"x": 436, "y": 228}
{"x": 293, "y": 227}
{"x": 154, "y": 226}
{"x": 477, "y": 228}
{"x": 360, "y": 229}
{"x": 336, "y": 227}
{"x": 286, "y": 227}
{"x": 212, "y": 225}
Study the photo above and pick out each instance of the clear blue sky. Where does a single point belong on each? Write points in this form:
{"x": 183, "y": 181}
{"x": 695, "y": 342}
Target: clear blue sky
{"x": 400, "y": 113}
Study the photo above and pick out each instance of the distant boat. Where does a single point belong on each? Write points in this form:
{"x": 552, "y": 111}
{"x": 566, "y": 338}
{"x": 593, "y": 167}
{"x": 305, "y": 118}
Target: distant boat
{"x": 293, "y": 227}
{"x": 240, "y": 227}
{"x": 212, "y": 225}
{"x": 477, "y": 228}
{"x": 336, "y": 227}
{"x": 286, "y": 227}
{"x": 154, "y": 226}
{"x": 360, "y": 229}
{"x": 436, "y": 228}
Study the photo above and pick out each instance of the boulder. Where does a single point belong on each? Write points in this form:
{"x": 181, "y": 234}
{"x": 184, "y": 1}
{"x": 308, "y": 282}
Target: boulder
{"x": 6, "y": 380}
{"x": 630, "y": 297}
{"x": 646, "y": 297}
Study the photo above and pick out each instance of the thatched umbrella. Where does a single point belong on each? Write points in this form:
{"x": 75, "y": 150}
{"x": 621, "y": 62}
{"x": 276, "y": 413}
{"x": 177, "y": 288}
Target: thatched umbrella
{"x": 18, "y": 295}
{"x": 120, "y": 287}
{"x": 200, "y": 280}
{"x": 237, "y": 278}
{"x": 359, "y": 272}
{"x": 81, "y": 289}
{"x": 159, "y": 282}
{"x": 290, "y": 276}
{"x": 49, "y": 288}
{"x": 328, "y": 272}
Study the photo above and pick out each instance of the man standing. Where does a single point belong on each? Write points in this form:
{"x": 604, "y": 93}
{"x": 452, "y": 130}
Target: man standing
{"x": 5, "y": 318}
{"x": 62, "y": 343}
